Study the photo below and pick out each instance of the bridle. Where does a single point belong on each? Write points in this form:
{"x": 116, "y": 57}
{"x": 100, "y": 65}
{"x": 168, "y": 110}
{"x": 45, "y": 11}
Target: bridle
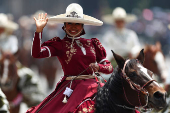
{"x": 137, "y": 88}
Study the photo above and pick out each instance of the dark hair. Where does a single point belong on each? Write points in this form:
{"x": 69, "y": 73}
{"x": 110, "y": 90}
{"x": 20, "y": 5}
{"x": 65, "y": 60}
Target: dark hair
{"x": 65, "y": 23}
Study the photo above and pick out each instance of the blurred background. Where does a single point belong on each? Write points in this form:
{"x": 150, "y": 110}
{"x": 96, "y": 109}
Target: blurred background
{"x": 151, "y": 26}
{"x": 152, "y": 14}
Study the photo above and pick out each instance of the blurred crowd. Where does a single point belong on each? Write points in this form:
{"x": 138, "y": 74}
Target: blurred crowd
{"x": 152, "y": 26}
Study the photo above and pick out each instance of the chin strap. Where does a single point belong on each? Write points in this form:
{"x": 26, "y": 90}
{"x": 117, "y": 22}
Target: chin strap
{"x": 73, "y": 36}
{"x": 72, "y": 42}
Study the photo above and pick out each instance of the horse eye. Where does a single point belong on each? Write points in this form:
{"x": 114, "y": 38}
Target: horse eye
{"x": 133, "y": 74}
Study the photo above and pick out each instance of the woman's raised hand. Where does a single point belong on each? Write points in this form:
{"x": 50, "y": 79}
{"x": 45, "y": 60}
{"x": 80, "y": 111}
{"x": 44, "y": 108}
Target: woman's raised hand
{"x": 41, "y": 22}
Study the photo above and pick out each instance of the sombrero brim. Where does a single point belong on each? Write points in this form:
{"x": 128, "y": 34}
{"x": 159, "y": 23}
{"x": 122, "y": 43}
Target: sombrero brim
{"x": 12, "y": 25}
{"x": 109, "y": 19}
{"x": 87, "y": 20}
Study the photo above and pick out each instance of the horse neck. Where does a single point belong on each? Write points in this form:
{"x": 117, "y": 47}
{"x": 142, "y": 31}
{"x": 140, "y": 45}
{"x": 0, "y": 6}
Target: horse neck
{"x": 111, "y": 95}
{"x": 116, "y": 87}
{"x": 14, "y": 91}
{"x": 12, "y": 94}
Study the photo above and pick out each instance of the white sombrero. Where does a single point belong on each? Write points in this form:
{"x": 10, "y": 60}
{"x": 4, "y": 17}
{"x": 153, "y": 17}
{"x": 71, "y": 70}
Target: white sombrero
{"x": 6, "y": 23}
{"x": 119, "y": 14}
{"x": 74, "y": 14}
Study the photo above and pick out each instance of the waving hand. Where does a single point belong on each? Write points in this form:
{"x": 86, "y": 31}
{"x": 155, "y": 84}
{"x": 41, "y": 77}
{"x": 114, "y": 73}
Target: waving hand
{"x": 41, "y": 22}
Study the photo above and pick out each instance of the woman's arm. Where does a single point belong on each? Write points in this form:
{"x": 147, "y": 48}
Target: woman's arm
{"x": 41, "y": 51}
{"x": 103, "y": 65}
{"x": 47, "y": 49}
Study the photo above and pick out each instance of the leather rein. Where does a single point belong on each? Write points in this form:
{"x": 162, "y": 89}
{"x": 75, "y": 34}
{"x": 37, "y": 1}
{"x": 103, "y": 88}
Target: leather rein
{"x": 137, "y": 88}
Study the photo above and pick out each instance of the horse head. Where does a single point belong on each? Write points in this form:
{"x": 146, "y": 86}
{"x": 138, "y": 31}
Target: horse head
{"x": 139, "y": 88}
{"x": 155, "y": 61}
{"x": 8, "y": 71}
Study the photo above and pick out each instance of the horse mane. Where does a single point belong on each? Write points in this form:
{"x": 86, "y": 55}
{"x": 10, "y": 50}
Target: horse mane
{"x": 105, "y": 100}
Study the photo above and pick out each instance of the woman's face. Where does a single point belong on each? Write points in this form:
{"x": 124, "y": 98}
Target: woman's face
{"x": 73, "y": 29}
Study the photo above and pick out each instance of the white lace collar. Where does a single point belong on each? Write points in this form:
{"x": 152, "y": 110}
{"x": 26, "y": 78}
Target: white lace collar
{"x": 74, "y": 37}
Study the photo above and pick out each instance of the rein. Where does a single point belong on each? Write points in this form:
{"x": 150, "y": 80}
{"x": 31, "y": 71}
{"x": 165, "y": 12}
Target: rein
{"x": 61, "y": 90}
{"x": 137, "y": 88}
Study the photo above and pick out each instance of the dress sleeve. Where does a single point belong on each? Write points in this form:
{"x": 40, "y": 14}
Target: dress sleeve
{"x": 104, "y": 65}
{"x": 49, "y": 48}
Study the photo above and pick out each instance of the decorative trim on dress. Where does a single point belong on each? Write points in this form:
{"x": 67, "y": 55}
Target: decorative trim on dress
{"x": 70, "y": 52}
{"x": 102, "y": 60}
{"x": 48, "y": 51}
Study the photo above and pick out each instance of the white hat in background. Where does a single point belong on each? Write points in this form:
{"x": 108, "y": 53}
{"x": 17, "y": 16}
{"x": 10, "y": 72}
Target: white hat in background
{"x": 119, "y": 14}
{"x": 74, "y": 14}
{"x": 6, "y": 23}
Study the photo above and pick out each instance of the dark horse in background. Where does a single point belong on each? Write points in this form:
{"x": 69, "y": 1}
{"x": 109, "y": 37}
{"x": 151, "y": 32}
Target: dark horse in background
{"x": 129, "y": 87}
{"x": 17, "y": 83}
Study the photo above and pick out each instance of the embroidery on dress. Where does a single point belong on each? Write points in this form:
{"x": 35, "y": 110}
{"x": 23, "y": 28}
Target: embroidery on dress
{"x": 88, "y": 43}
{"x": 71, "y": 52}
{"x": 86, "y": 110}
{"x": 54, "y": 39}
{"x": 92, "y": 49}
{"x": 108, "y": 68}
{"x": 98, "y": 43}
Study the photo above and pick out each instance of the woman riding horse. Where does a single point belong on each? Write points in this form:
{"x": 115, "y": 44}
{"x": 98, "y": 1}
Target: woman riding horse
{"x": 76, "y": 90}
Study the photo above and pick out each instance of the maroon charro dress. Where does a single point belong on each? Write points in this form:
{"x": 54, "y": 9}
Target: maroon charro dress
{"x": 74, "y": 61}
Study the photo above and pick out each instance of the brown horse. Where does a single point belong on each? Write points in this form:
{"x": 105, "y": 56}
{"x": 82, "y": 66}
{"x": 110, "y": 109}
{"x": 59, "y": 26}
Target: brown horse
{"x": 129, "y": 88}
{"x": 18, "y": 84}
{"x": 9, "y": 81}
{"x": 155, "y": 61}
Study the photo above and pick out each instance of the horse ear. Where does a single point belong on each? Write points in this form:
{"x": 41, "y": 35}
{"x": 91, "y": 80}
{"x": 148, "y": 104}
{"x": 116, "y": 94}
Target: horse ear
{"x": 140, "y": 57}
{"x": 119, "y": 60}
